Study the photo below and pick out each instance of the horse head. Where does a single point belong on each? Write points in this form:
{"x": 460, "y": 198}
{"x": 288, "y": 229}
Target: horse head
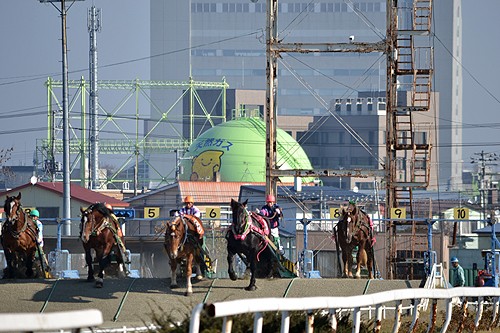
{"x": 91, "y": 220}
{"x": 350, "y": 219}
{"x": 175, "y": 236}
{"x": 86, "y": 222}
{"x": 12, "y": 208}
{"x": 241, "y": 217}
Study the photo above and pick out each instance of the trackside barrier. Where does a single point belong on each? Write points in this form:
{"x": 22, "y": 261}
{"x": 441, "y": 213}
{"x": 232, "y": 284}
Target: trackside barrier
{"x": 356, "y": 304}
{"x": 53, "y": 321}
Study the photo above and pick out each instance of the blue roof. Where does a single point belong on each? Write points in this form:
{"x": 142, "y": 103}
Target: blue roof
{"x": 312, "y": 192}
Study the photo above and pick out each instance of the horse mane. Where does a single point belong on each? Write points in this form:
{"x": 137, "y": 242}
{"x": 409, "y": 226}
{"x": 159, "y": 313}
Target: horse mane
{"x": 101, "y": 208}
{"x": 9, "y": 199}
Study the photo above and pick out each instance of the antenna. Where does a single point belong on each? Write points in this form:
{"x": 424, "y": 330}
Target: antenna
{"x": 94, "y": 25}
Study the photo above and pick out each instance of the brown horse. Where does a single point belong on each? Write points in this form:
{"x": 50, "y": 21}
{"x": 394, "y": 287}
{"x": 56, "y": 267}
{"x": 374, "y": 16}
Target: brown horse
{"x": 182, "y": 243}
{"x": 98, "y": 233}
{"x": 19, "y": 235}
{"x": 354, "y": 229}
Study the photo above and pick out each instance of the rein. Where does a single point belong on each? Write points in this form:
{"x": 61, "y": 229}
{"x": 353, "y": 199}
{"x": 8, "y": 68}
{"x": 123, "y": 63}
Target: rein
{"x": 181, "y": 244}
{"x": 246, "y": 230}
{"x": 14, "y": 220}
{"x": 96, "y": 227}
{"x": 359, "y": 224}
{"x": 250, "y": 227}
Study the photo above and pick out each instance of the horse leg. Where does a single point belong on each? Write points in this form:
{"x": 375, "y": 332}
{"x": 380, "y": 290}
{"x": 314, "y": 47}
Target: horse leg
{"x": 90, "y": 266}
{"x": 9, "y": 271}
{"x": 360, "y": 260}
{"x": 253, "y": 266}
{"x": 29, "y": 264}
{"x": 189, "y": 271}
{"x": 345, "y": 260}
{"x": 369, "y": 263}
{"x": 230, "y": 263}
{"x": 197, "y": 269}
{"x": 173, "y": 279}
{"x": 103, "y": 263}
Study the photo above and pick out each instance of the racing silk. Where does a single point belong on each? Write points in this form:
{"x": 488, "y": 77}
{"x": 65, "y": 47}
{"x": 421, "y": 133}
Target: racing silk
{"x": 263, "y": 230}
{"x": 39, "y": 239}
{"x": 194, "y": 215}
{"x": 274, "y": 213}
{"x": 189, "y": 211}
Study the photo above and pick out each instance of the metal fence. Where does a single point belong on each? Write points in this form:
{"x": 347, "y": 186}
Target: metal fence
{"x": 372, "y": 304}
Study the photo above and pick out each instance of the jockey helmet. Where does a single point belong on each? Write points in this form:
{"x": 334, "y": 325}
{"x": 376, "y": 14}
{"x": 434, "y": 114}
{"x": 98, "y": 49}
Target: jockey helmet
{"x": 35, "y": 212}
{"x": 188, "y": 199}
{"x": 108, "y": 206}
{"x": 270, "y": 198}
{"x": 454, "y": 259}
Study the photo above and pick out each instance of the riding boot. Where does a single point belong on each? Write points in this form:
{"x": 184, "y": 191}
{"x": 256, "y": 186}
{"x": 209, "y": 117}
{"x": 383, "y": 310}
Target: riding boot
{"x": 277, "y": 242}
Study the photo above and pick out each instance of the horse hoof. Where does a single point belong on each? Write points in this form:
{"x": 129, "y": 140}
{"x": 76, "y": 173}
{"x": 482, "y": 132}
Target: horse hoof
{"x": 233, "y": 277}
{"x": 188, "y": 293}
{"x": 90, "y": 279}
{"x": 251, "y": 288}
{"x": 174, "y": 286}
{"x": 99, "y": 282}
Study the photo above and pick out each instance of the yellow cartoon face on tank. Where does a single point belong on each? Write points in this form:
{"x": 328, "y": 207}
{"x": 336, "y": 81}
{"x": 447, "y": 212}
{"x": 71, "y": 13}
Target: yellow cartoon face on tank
{"x": 206, "y": 165}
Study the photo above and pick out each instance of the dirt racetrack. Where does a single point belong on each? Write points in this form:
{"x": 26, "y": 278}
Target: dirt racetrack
{"x": 131, "y": 302}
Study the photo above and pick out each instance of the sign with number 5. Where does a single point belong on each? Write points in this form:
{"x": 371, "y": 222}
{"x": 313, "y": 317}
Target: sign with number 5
{"x": 151, "y": 212}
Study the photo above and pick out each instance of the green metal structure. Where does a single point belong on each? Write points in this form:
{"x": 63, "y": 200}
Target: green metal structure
{"x": 122, "y": 127}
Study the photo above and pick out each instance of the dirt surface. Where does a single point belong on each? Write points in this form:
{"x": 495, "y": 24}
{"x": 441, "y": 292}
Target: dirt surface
{"x": 131, "y": 302}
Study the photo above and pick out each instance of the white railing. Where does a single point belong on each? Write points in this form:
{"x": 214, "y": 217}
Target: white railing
{"x": 53, "y": 321}
{"x": 335, "y": 305}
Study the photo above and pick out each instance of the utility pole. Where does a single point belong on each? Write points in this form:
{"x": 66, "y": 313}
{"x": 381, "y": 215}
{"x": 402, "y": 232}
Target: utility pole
{"x": 94, "y": 25}
{"x": 482, "y": 160}
{"x": 66, "y": 164}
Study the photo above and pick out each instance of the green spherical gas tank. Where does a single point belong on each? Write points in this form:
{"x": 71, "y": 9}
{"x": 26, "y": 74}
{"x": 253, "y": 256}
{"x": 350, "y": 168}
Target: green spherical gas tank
{"x": 236, "y": 152}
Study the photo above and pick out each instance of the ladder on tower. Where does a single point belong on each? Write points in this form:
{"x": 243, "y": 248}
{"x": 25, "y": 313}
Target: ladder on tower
{"x": 411, "y": 93}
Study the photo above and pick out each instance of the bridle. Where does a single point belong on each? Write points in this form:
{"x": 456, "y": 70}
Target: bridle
{"x": 246, "y": 227}
{"x": 95, "y": 227}
{"x": 354, "y": 223}
{"x": 12, "y": 219}
{"x": 173, "y": 226}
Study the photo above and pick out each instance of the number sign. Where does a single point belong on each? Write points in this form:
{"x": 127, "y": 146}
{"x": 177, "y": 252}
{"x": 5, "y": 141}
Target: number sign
{"x": 334, "y": 213}
{"x": 151, "y": 212}
{"x": 212, "y": 212}
{"x": 398, "y": 213}
{"x": 461, "y": 213}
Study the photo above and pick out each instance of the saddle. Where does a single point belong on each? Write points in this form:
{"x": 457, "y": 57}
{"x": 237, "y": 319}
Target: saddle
{"x": 196, "y": 223}
{"x": 264, "y": 226}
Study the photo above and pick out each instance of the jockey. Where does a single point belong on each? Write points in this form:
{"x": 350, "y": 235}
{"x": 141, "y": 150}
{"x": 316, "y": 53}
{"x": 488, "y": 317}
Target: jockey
{"x": 374, "y": 240}
{"x": 190, "y": 209}
{"x": 274, "y": 213}
{"x": 118, "y": 230}
{"x": 35, "y": 215}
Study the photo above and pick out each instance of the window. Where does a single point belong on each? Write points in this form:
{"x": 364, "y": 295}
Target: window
{"x": 338, "y": 105}
{"x": 359, "y": 105}
{"x": 48, "y": 212}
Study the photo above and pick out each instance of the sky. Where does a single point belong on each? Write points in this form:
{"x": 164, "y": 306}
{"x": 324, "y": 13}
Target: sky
{"x": 31, "y": 52}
